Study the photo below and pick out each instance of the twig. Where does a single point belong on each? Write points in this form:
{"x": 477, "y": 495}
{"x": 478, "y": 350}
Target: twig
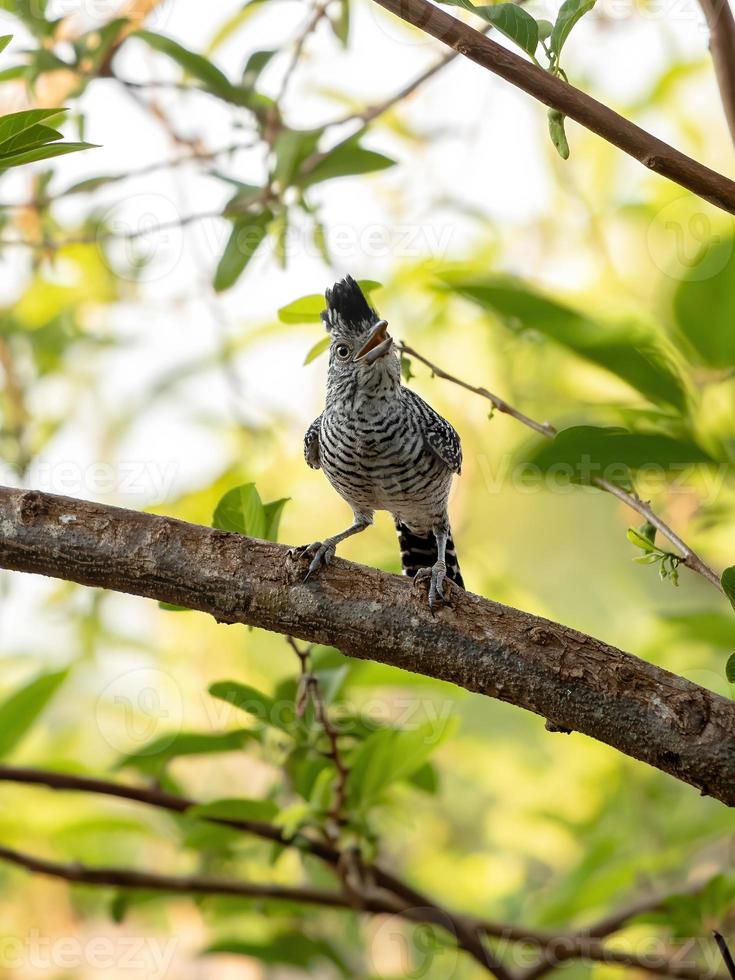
{"x": 652, "y": 152}
{"x": 311, "y": 25}
{"x": 312, "y": 689}
{"x": 545, "y": 428}
{"x": 190, "y": 884}
{"x": 726, "y": 954}
{"x": 566, "y": 945}
{"x": 721, "y": 24}
{"x": 372, "y": 112}
{"x": 689, "y": 557}
{"x": 143, "y": 171}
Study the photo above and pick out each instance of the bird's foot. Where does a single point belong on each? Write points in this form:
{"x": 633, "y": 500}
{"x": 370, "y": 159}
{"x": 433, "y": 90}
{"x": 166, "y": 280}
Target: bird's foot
{"x": 320, "y": 553}
{"x": 437, "y": 576}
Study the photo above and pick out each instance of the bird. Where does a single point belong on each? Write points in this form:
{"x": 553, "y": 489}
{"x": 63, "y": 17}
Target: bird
{"x": 381, "y": 446}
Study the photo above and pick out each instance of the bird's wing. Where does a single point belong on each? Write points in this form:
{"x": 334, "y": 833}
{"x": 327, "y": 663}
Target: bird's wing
{"x": 440, "y": 437}
{"x": 311, "y": 444}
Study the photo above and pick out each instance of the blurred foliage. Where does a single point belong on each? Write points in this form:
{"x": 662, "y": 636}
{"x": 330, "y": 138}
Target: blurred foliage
{"x": 608, "y": 312}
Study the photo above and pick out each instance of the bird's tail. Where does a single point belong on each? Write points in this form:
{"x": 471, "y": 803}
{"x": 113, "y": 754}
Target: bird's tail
{"x": 419, "y": 551}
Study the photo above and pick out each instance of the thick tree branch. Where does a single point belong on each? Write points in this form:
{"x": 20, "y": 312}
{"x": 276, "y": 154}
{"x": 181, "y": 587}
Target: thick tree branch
{"x": 721, "y": 24}
{"x": 573, "y": 680}
{"x": 555, "y": 947}
{"x": 552, "y": 91}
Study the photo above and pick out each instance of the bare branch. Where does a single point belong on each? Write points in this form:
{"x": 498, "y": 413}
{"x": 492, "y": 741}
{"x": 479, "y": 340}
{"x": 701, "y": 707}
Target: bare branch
{"x": 561, "y": 674}
{"x": 555, "y": 947}
{"x": 545, "y": 428}
{"x": 558, "y": 94}
{"x": 721, "y": 24}
{"x": 689, "y": 557}
{"x": 726, "y": 954}
{"x": 189, "y": 884}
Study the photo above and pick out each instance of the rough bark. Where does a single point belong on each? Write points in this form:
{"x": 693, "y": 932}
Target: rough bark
{"x": 573, "y": 680}
{"x": 558, "y": 94}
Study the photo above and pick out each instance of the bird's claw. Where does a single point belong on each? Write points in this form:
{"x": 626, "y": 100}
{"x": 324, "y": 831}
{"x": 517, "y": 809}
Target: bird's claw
{"x": 438, "y": 576}
{"x": 320, "y": 552}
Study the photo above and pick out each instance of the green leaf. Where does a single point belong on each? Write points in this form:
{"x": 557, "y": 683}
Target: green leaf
{"x": 238, "y": 809}
{"x": 255, "y": 64}
{"x": 515, "y": 23}
{"x": 43, "y": 153}
{"x": 545, "y": 27}
{"x": 241, "y": 510}
{"x": 583, "y": 452}
{"x": 558, "y": 133}
{"x": 308, "y": 309}
{"x": 512, "y": 21}
{"x": 345, "y": 160}
{"x": 228, "y": 28}
{"x": 246, "y": 236}
{"x": 34, "y": 136}
{"x": 21, "y": 709}
{"x": 728, "y": 584}
{"x": 390, "y": 755}
{"x": 278, "y": 715}
{"x": 640, "y": 540}
{"x": 285, "y": 949}
{"x": 570, "y": 12}
{"x": 18, "y": 122}
{"x": 730, "y": 668}
{"x": 5, "y": 41}
{"x": 704, "y": 304}
{"x": 625, "y": 350}
{"x": 273, "y": 512}
{"x": 341, "y": 23}
{"x": 316, "y": 349}
{"x": 155, "y": 755}
{"x": 195, "y": 64}
{"x": 292, "y": 148}
{"x": 703, "y": 626}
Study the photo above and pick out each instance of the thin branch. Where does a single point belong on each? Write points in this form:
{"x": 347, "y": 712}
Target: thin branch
{"x": 563, "y": 675}
{"x": 726, "y": 954}
{"x": 558, "y": 946}
{"x": 194, "y": 156}
{"x": 372, "y": 112}
{"x": 721, "y": 24}
{"x": 311, "y": 25}
{"x": 545, "y": 428}
{"x": 558, "y": 94}
{"x": 189, "y": 884}
{"x": 688, "y": 556}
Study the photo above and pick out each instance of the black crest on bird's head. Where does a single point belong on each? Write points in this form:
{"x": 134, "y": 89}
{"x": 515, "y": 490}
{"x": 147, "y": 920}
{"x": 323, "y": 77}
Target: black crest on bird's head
{"x": 348, "y": 312}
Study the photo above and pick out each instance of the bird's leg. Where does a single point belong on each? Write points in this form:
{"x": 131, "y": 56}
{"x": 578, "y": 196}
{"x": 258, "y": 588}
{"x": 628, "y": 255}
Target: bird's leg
{"x": 438, "y": 572}
{"x": 322, "y": 552}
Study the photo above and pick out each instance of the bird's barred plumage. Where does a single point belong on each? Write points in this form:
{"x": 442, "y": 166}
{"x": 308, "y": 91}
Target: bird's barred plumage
{"x": 381, "y": 446}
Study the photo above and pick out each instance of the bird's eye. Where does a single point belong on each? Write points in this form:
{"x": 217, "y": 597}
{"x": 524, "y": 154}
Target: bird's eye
{"x": 342, "y": 351}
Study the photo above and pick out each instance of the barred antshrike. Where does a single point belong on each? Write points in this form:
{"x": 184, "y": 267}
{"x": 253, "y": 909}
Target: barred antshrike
{"x": 381, "y": 446}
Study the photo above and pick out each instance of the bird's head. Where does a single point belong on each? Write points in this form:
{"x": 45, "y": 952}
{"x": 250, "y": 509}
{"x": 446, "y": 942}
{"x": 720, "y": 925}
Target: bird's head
{"x": 361, "y": 352}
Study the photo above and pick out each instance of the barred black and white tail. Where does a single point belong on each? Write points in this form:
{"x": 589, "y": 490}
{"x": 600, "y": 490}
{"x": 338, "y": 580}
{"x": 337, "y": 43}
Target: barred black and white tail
{"x": 419, "y": 551}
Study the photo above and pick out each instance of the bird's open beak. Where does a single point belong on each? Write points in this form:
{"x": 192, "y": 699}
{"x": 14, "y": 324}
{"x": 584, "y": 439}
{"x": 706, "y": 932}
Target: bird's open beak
{"x": 378, "y": 343}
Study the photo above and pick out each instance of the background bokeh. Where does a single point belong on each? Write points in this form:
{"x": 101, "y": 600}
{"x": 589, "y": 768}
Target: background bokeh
{"x": 128, "y": 379}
